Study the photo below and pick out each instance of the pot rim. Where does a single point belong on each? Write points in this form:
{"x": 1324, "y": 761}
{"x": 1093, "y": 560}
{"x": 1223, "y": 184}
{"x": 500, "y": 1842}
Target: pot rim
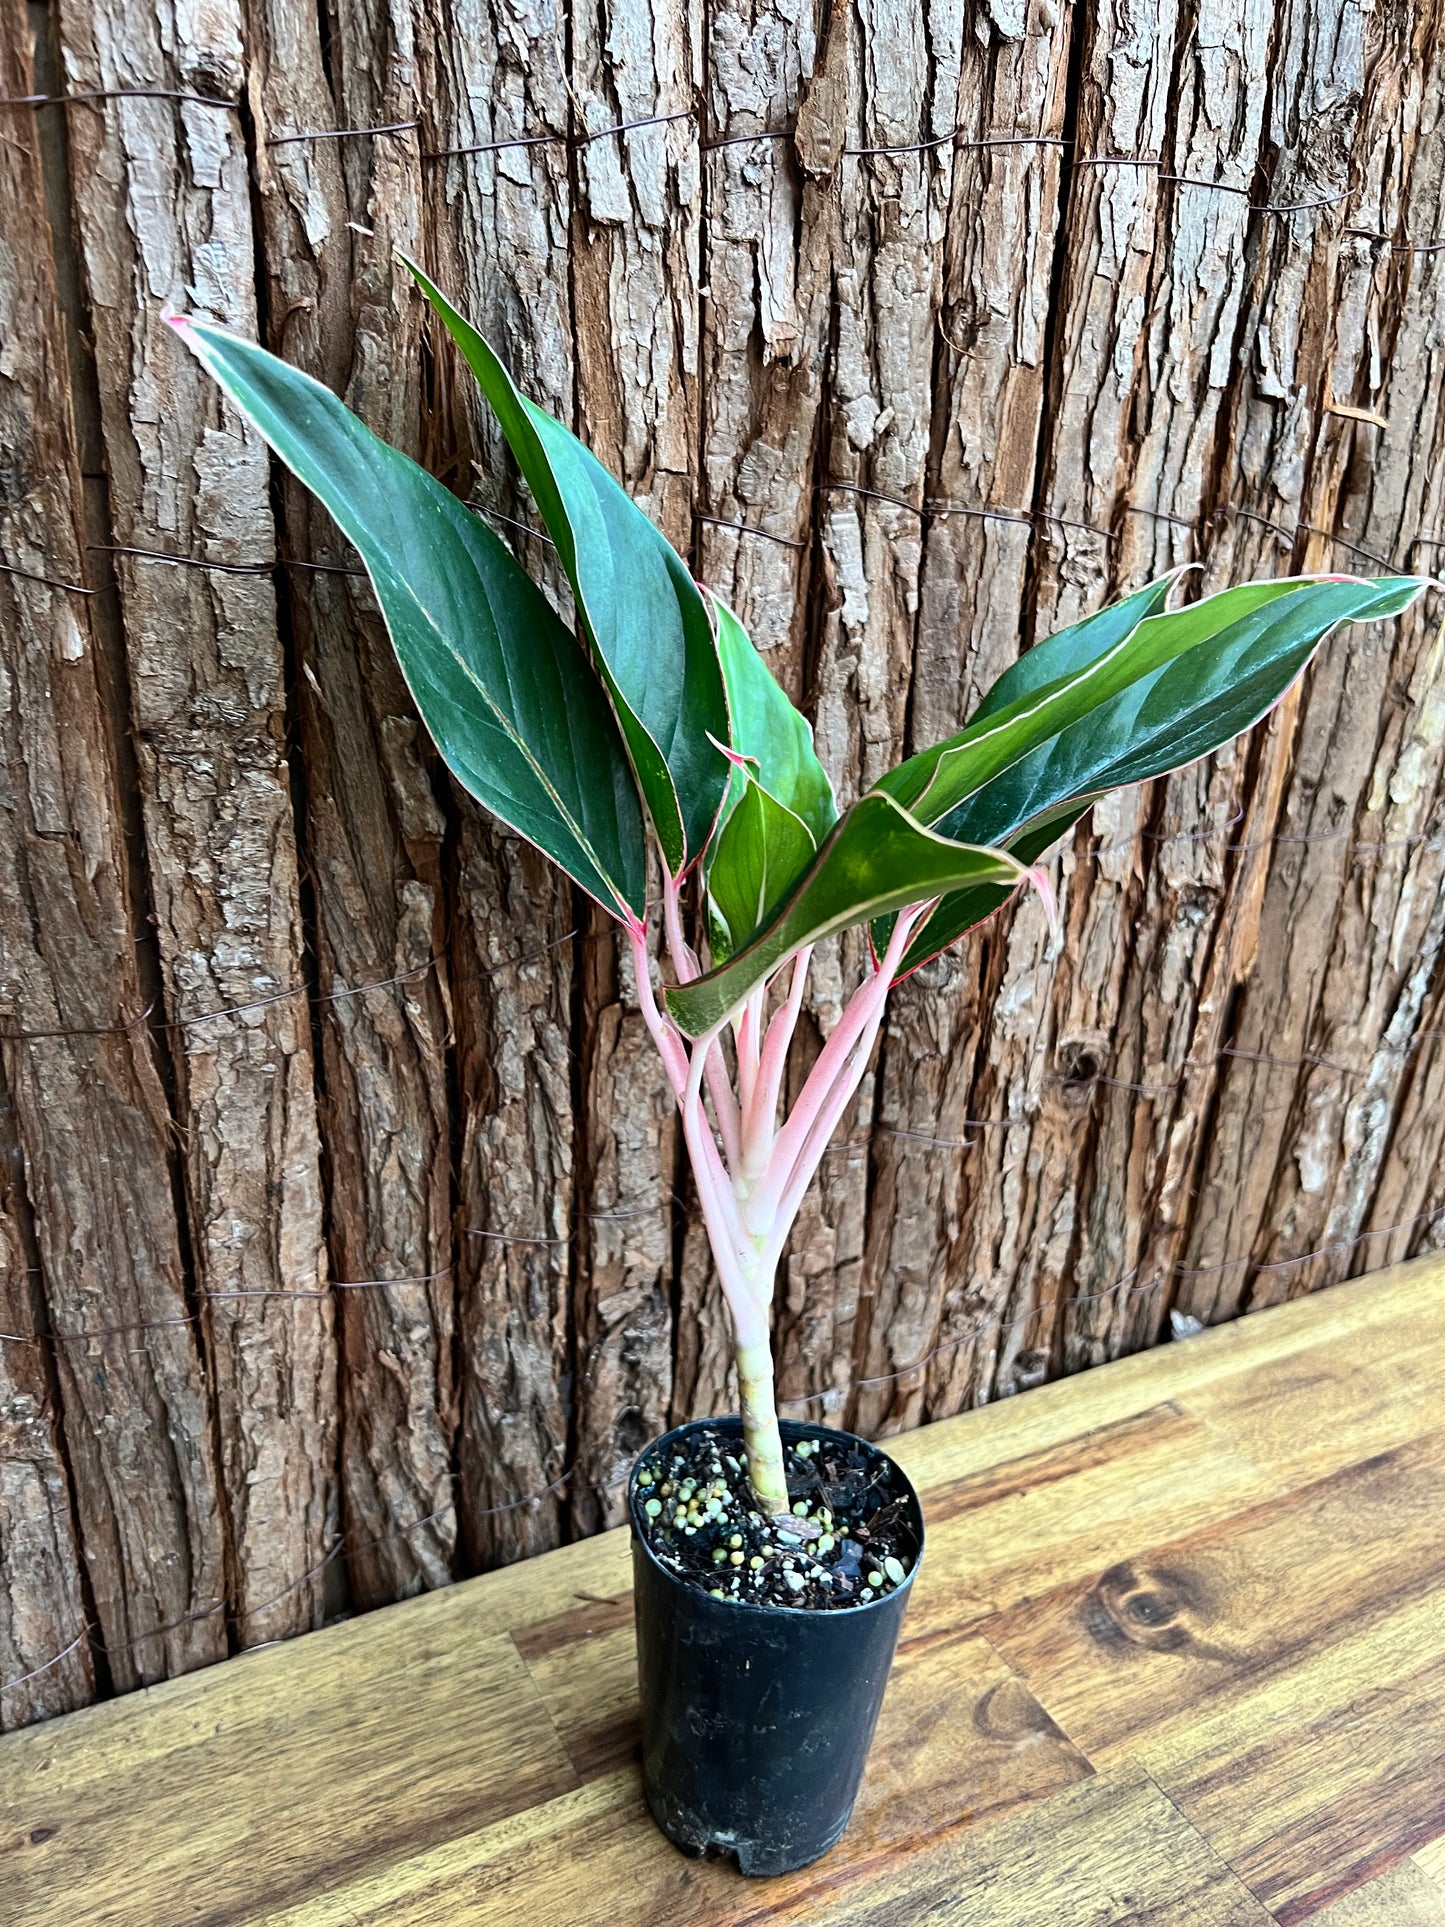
{"x": 807, "y": 1429}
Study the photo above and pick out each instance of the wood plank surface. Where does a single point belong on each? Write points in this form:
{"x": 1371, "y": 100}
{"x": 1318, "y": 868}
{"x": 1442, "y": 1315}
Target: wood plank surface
{"x": 1177, "y": 1655}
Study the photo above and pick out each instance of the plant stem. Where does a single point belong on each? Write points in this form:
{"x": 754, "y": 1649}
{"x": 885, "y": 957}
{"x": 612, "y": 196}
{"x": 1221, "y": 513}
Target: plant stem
{"x": 750, "y": 1189}
{"x": 762, "y": 1438}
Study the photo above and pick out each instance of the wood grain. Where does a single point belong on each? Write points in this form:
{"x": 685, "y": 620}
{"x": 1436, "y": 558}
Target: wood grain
{"x": 1223, "y": 1713}
{"x": 1431, "y": 1861}
{"x": 195, "y": 1757}
{"x": 1404, "y": 1897}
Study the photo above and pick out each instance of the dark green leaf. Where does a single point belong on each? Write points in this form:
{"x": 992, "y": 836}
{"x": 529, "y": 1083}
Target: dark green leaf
{"x": 939, "y": 779}
{"x": 1075, "y": 647}
{"x": 1185, "y": 706}
{"x": 504, "y": 689}
{"x": 876, "y": 860}
{"x": 779, "y": 806}
{"x": 642, "y": 613}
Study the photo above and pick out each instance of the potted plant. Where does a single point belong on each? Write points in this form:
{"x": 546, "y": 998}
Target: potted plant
{"x": 772, "y": 1562}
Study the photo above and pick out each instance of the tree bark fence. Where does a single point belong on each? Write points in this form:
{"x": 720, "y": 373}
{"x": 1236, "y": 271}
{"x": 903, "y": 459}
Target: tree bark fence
{"x": 346, "y": 1237}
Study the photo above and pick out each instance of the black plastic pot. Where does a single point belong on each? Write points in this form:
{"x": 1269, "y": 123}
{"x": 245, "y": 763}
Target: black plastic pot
{"x": 756, "y": 1720}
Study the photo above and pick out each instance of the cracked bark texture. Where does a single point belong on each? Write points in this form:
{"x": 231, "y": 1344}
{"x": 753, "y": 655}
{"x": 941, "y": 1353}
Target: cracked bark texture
{"x": 922, "y": 1286}
{"x": 634, "y": 267}
{"x": 496, "y": 227}
{"x": 1134, "y": 285}
{"x": 162, "y": 199}
{"x": 111, "y": 1448}
{"x": 373, "y": 837}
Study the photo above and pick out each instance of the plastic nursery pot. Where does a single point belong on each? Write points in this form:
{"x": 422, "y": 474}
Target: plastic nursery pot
{"x": 756, "y": 1720}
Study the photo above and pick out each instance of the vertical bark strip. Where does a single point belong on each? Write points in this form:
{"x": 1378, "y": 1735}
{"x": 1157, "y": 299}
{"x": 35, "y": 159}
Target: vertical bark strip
{"x": 1341, "y": 89}
{"x": 514, "y": 1022}
{"x": 87, "y": 1221}
{"x": 1353, "y": 916}
{"x": 497, "y": 228}
{"x": 988, "y": 398}
{"x": 895, "y": 92}
{"x": 775, "y": 103}
{"x": 1135, "y": 1065}
{"x": 373, "y": 840}
{"x": 44, "y": 1635}
{"x": 634, "y": 266}
{"x": 163, "y": 199}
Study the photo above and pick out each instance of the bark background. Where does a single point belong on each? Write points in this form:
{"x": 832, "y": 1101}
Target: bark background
{"x": 347, "y": 1240}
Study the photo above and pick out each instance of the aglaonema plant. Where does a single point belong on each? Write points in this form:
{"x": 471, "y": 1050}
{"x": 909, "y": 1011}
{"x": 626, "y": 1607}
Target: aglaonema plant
{"x": 658, "y": 714}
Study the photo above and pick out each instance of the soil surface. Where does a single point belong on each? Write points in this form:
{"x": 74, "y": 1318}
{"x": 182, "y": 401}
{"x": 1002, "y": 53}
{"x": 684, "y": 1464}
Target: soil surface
{"x": 854, "y": 1539}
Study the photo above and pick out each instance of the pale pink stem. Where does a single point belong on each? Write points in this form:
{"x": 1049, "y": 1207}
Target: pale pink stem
{"x": 670, "y": 1047}
{"x": 760, "y": 1117}
{"x": 834, "y": 1054}
{"x": 719, "y": 1210}
{"x": 826, "y": 1106}
{"x": 844, "y": 1089}
{"x": 724, "y": 1104}
{"x": 1044, "y": 884}
{"x": 725, "y": 1227}
{"x": 684, "y": 962}
{"x": 745, "y": 1034}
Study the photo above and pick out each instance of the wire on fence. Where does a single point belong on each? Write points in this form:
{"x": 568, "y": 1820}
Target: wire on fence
{"x": 341, "y": 133}
{"x": 926, "y": 511}
{"x": 957, "y": 138}
{"x": 50, "y": 581}
{"x": 175, "y": 561}
{"x": 517, "y": 962}
{"x": 119, "y": 93}
{"x": 749, "y": 528}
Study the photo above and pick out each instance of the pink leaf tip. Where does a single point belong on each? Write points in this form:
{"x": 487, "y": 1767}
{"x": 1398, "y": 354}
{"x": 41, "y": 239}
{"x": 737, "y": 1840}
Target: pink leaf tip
{"x": 735, "y": 757}
{"x": 1044, "y": 884}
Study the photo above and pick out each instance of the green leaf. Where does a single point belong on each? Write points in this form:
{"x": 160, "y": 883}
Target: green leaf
{"x": 779, "y": 806}
{"x": 935, "y": 782}
{"x": 876, "y": 860}
{"x": 963, "y": 910}
{"x": 770, "y": 732}
{"x": 1189, "y": 701}
{"x": 1077, "y": 646}
{"x": 640, "y": 610}
{"x": 758, "y": 856}
{"x": 504, "y": 689}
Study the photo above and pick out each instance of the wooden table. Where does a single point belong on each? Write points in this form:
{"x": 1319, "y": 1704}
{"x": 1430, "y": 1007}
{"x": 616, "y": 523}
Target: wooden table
{"x": 1177, "y": 1655}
